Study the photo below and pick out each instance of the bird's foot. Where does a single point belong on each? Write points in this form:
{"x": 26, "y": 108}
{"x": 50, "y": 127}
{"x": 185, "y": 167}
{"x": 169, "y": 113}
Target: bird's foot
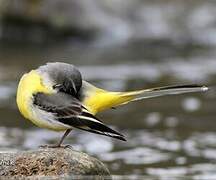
{"x": 56, "y": 146}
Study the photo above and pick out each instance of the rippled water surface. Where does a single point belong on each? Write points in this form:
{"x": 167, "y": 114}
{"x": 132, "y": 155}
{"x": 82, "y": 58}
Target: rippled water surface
{"x": 167, "y": 137}
{"x": 171, "y": 136}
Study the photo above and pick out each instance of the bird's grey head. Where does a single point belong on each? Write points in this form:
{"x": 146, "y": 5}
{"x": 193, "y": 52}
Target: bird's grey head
{"x": 62, "y": 77}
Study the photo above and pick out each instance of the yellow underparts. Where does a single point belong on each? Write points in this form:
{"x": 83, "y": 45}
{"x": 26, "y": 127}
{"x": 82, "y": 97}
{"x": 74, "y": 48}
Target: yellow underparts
{"x": 99, "y": 99}
{"x": 30, "y": 84}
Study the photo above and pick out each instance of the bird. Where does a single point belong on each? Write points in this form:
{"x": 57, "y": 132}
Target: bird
{"x": 56, "y": 97}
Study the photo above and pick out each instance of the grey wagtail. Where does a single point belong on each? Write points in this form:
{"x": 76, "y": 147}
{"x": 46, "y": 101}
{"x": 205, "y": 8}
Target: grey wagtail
{"x": 55, "y": 97}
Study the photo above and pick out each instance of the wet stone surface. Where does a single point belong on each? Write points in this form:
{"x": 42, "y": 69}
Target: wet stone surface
{"x": 51, "y": 162}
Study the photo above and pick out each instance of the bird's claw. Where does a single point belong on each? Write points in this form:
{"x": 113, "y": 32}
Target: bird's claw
{"x": 56, "y": 146}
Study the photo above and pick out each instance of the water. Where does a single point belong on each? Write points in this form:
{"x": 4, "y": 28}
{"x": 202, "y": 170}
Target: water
{"x": 167, "y": 137}
{"x": 171, "y": 136}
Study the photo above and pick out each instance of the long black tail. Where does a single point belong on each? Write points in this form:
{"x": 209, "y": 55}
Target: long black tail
{"x": 162, "y": 91}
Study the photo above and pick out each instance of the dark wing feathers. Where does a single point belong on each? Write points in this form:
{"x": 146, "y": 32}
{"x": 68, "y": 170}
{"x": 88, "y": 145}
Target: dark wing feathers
{"x": 105, "y": 134}
{"x": 69, "y": 110}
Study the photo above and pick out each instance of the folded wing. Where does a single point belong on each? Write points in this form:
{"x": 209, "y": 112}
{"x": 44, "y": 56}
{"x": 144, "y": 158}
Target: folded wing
{"x": 70, "y": 111}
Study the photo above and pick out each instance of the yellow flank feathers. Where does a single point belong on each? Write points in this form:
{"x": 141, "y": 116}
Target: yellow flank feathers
{"x": 99, "y": 99}
{"x": 29, "y": 84}
{"x": 96, "y": 99}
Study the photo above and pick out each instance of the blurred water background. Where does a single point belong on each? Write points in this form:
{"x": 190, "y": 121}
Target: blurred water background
{"x": 120, "y": 45}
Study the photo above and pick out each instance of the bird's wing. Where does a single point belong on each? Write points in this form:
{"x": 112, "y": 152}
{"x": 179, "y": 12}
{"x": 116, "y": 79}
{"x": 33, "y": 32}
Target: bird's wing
{"x": 70, "y": 111}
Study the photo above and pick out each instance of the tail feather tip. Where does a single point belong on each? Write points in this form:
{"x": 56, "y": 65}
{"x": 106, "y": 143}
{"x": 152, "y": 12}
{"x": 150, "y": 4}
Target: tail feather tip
{"x": 205, "y": 88}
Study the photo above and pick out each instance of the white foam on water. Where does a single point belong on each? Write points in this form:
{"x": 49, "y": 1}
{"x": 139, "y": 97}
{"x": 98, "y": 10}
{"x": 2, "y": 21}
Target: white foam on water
{"x": 191, "y": 104}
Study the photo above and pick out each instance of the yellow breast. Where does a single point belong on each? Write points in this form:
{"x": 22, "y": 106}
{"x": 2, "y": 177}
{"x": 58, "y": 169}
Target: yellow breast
{"x": 29, "y": 84}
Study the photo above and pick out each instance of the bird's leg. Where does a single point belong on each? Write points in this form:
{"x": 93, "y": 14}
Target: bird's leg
{"x": 60, "y": 142}
{"x": 63, "y": 137}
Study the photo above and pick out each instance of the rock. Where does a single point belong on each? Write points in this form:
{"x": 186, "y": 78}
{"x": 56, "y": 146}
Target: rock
{"x": 53, "y": 162}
